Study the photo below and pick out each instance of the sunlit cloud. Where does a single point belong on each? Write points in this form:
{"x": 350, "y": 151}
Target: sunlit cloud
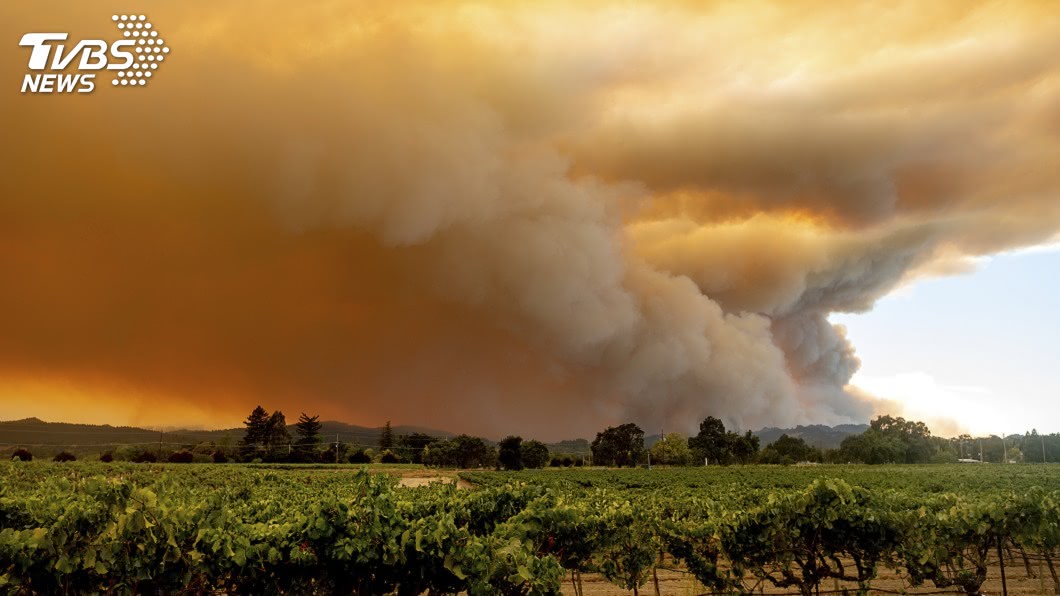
{"x": 949, "y": 409}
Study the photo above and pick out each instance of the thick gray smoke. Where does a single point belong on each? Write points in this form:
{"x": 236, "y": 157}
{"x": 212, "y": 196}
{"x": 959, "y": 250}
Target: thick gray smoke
{"x": 534, "y": 218}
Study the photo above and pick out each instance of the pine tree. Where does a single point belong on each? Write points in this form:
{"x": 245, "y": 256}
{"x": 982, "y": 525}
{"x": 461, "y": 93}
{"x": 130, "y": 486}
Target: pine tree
{"x": 257, "y": 424}
{"x": 308, "y": 429}
{"x": 386, "y": 440}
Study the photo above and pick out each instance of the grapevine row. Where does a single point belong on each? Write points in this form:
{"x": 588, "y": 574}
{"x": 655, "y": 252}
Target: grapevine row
{"x": 198, "y": 530}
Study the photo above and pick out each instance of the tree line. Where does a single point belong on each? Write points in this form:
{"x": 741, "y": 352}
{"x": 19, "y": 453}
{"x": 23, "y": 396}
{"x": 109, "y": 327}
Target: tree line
{"x": 268, "y": 438}
{"x": 624, "y": 446}
{"x": 888, "y": 440}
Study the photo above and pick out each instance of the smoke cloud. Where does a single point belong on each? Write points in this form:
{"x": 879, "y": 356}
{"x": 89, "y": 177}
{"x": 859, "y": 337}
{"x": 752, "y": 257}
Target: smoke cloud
{"x": 528, "y": 217}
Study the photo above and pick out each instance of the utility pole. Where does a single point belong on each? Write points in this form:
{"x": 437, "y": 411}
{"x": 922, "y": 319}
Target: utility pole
{"x": 336, "y": 447}
{"x": 980, "y": 451}
{"x": 662, "y": 436}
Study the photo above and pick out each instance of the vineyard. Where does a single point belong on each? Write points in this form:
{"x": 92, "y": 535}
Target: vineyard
{"x": 84, "y": 528}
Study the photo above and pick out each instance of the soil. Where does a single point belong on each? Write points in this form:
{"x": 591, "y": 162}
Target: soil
{"x": 675, "y": 583}
{"x": 414, "y": 478}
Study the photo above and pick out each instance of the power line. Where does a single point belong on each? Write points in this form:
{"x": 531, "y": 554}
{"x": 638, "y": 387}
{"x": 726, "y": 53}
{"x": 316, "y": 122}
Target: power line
{"x": 204, "y": 434}
{"x": 185, "y": 443}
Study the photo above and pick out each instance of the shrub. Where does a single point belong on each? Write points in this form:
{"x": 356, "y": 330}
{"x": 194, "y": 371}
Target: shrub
{"x": 144, "y": 457}
{"x": 64, "y": 456}
{"x": 360, "y": 457}
{"x": 22, "y": 455}
{"x": 219, "y": 457}
{"x": 389, "y": 457}
{"x": 106, "y": 457}
{"x": 303, "y": 454}
{"x": 126, "y": 453}
{"x": 535, "y": 454}
{"x": 181, "y": 457}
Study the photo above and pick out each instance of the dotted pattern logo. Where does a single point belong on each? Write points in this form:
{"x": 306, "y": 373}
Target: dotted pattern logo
{"x": 150, "y": 50}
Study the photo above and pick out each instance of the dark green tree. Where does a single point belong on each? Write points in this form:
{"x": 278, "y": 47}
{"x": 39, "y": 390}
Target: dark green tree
{"x": 441, "y": 454}
{"x": 892, "y": 439}
{"x": 711, "y": 444}
{"x": 915, "y": 437}
{"x": 535, "y": 454}
{"x": 992, "y": 448}
{"x": 256, "y": 429}
{"x": 462, "y": 451}
{"x": 964, "y": 446}
{"x": 412, "y": 446}
{"x": 307, "y": 445}
{"x": 308, "y": 429}
{"x": 277, "y": 437}
{"x": 1037, "y": 447}
{"x": 744, "y": 449}
{"x": 386, "y": 439}
{"x": 619, "y": 446}
{"x": 871, "y": 447}
{"x": 474, "y": 452}
{"x": 510, "y": 454}
{"x": 788, "y": 450}
{"x": 671, "y": 450}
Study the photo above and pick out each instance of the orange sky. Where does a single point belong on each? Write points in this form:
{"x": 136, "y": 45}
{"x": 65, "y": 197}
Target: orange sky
{"x": 526, "y": 217}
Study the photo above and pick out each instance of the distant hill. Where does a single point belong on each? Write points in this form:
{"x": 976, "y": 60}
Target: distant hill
{"x": 570, "y": 447}
{"x": 46, "y": 437}
{"x": 49, "y": 437}
{"x": 365, "y": 436}
{"x": 816, "y": 435}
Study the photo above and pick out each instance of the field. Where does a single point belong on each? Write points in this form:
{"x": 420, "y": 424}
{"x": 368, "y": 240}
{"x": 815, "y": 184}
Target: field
{"x": 78, "y": 528}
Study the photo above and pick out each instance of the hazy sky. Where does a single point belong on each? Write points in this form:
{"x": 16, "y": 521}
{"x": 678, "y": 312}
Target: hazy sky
{"x": 536, "y": 217}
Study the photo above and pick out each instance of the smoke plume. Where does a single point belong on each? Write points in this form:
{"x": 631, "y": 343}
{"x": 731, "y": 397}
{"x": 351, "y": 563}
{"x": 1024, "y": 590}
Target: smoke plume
{"x": 524, "y": 217}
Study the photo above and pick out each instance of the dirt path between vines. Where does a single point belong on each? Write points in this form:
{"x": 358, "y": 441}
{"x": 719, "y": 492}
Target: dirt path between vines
{"x": 414, "y": 478}
{"x": 674, "y": 583}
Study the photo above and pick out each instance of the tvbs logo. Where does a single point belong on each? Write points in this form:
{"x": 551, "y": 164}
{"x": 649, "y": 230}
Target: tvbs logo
{"x": 133, "y": 59}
